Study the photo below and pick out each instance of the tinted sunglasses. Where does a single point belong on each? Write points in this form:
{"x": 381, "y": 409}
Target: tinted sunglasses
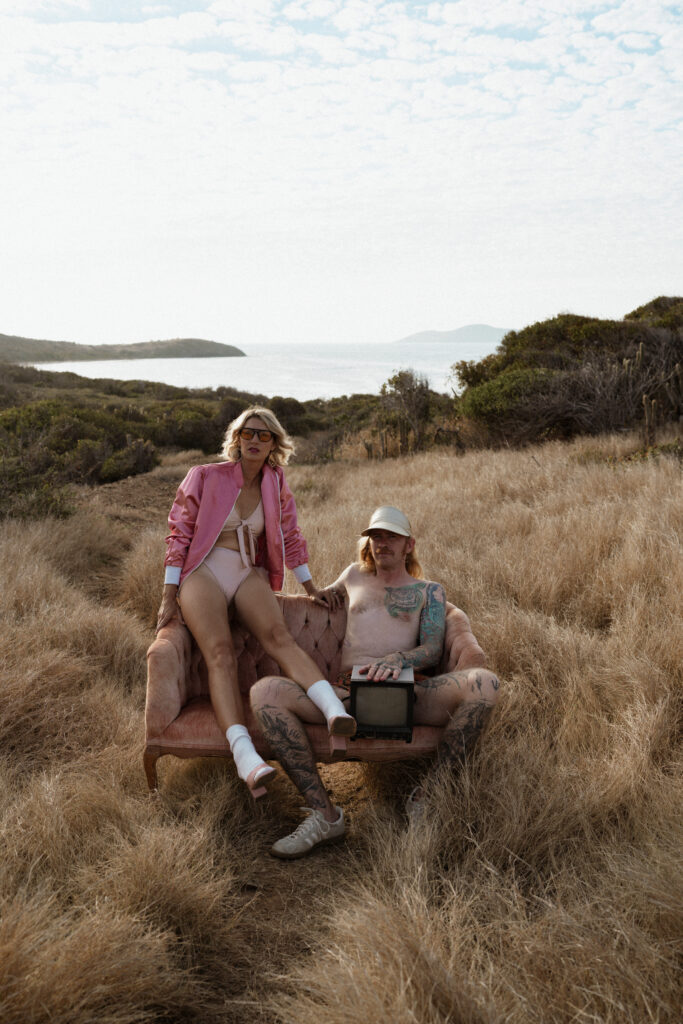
{"x": 263, "y": 435}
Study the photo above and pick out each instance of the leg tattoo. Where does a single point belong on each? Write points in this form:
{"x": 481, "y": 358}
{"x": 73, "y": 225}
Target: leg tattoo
{"x": 434, "y": 683}
{"x": 287, "y": 739}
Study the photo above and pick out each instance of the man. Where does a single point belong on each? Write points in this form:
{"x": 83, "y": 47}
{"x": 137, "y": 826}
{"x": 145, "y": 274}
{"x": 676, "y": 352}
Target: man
{"x": 395, "y": 619}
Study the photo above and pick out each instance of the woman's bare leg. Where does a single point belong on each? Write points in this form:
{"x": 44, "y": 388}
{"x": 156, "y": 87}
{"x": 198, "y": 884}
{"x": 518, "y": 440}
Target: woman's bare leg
{"x": 260, "y": 612}
{"x": 205, "y": 611}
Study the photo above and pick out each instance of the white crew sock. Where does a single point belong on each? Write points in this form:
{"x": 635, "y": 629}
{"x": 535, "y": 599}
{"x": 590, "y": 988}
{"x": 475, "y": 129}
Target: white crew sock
{"x": 243, "y": 752}
{"x": 324, "y": 698}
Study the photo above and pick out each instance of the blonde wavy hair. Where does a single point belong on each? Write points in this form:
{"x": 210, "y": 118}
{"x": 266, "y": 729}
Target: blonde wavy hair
{"x": 284, "y": 446}
{"x": 367, "y": 562}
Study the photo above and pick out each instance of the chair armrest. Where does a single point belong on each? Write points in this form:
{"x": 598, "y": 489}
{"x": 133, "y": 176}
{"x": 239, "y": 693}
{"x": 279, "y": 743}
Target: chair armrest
{"x": 461, "y": 650}
{"x": 168, "y": 666}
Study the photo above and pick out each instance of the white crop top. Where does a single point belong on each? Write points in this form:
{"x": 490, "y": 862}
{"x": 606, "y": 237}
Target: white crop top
{"x": 247, "y": 530}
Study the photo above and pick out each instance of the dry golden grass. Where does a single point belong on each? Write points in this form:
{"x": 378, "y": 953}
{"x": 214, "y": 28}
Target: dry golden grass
{"x": 138, "y": 587}
{"x": 546, "y": 884}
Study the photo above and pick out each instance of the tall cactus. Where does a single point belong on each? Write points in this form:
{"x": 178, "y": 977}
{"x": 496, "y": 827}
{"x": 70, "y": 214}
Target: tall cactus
{"x": 674, "y": 389}
{"x": 649, "y": 421}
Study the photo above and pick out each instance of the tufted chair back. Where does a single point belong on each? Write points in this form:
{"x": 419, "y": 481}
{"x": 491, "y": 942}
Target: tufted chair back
{"x": 316, "y": 630}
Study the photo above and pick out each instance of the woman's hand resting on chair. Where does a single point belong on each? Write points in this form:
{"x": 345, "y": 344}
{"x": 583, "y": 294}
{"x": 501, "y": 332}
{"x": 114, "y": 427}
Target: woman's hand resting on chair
{"x": 169, "y": 606}
{"x": 328, "y": 598}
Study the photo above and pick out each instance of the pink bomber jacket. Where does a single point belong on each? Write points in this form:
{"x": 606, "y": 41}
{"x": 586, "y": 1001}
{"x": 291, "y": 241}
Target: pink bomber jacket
{"x": 204, "y": 501}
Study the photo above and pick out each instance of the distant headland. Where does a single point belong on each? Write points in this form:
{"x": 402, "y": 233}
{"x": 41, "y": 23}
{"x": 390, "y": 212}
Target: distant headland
{"x": 32, "y": 350}
{"x": 477, "y": 333}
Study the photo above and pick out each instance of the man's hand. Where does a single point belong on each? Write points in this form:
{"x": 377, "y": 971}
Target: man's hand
{"x": 388, "y": 667}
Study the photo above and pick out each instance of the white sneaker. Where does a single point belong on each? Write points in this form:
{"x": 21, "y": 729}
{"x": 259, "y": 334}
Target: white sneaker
{"x": 313, "y": 831}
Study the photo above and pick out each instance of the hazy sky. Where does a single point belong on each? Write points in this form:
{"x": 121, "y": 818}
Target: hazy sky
{"x": 334, "y": 170}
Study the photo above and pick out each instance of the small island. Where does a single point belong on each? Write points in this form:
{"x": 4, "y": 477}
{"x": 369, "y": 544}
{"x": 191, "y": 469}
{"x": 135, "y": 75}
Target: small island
{"x": 32, "y": 350}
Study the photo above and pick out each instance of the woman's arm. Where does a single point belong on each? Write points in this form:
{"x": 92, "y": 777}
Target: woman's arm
{"x": 321, "y": 597}
{"x": 182, "y": 520}
{"x": 296, "y": 550}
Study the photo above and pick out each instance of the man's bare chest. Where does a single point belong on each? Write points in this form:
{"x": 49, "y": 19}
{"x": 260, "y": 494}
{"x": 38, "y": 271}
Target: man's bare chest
{"x": 403, "y": 603}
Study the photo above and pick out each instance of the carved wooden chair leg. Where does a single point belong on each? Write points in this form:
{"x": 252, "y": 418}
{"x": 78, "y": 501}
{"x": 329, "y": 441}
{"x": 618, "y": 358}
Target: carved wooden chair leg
{"x": 149, "y": 759}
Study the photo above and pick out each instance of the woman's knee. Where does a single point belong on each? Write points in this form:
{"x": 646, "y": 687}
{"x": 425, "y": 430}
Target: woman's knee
{"x": 277, "y": 637}
{"x": 220, "y": 654}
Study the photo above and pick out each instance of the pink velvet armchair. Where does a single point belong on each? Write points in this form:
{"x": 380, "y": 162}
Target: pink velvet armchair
{"x": 179, "y": 718}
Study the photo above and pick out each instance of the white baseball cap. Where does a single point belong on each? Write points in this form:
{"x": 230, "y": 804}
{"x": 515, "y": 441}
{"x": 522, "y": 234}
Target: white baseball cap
{"x": 386, "y": 517}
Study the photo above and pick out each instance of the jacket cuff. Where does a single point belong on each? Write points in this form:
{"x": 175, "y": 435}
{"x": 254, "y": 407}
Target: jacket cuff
{"x": 172, "y": 574}
{"x": 302, "y": 573}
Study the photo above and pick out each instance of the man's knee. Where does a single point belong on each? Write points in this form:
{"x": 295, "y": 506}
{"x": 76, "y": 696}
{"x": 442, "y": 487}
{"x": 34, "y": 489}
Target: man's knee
{"x": 482, "y": 686}
{"x": 270, "y": 690}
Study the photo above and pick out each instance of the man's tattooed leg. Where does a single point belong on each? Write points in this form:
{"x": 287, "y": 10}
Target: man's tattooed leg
{"x": 434, "y": 683}
{"x": 287, "y": 739}
{"x": 463, "y": 730}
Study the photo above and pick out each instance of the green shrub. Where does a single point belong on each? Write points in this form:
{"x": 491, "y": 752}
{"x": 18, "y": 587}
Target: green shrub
{"x": 230, "y": 408}
{"x": 48, "y": 443}
{"x": 83, "y": 462}
{"x": 44, "y": 499}
{"x": 137, "y": 457}
{"x": 184, "y": 425}
{"x": 497, "y": 401}
{"x": 575, "y": 374}
{"x": 469, "y": 374}
{"x": 664, "y": 311}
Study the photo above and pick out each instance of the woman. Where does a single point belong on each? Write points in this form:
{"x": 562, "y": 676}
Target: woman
{"x": 233, "y": 528}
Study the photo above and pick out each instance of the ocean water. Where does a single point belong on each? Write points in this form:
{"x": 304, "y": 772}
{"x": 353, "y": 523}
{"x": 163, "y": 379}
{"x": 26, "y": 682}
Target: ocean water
{"x": 294, "y": 371}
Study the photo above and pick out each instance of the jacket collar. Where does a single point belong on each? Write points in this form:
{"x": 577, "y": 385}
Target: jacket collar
{"x": 268, "y": 474}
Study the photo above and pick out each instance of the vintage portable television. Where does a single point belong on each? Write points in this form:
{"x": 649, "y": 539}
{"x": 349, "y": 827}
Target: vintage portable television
{"x": 383, "y": 709}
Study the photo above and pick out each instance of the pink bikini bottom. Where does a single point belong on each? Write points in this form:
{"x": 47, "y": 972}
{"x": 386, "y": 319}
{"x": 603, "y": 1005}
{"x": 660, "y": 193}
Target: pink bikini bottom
{"x": 229, "y": 571}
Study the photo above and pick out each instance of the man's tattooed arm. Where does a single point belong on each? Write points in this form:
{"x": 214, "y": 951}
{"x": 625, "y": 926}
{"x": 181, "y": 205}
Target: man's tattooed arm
{"x": 401, "y": 601}
{"x": 432, "y": 630}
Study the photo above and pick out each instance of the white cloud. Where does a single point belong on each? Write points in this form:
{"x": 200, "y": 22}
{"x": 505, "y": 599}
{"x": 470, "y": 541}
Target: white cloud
{"x": 654, "y": 17}
{"x": 52, "y": 7}
{"x": 355, "y": 15}
{"x": 233, "y": 150}
{"x": 484, "y": 14}
{"x": 637, "y": 41}
{"x": 242, "y": 9}
{"x": 311, "y": 10}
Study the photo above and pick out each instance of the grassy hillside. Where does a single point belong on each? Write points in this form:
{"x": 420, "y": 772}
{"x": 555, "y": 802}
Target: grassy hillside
{"x": 31, "y": 350}
{"x": 58, "y": 428}
{"x": 563, "y": 377}
{"x": 545, "y": 886}
{"x": 578, "y": 375}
